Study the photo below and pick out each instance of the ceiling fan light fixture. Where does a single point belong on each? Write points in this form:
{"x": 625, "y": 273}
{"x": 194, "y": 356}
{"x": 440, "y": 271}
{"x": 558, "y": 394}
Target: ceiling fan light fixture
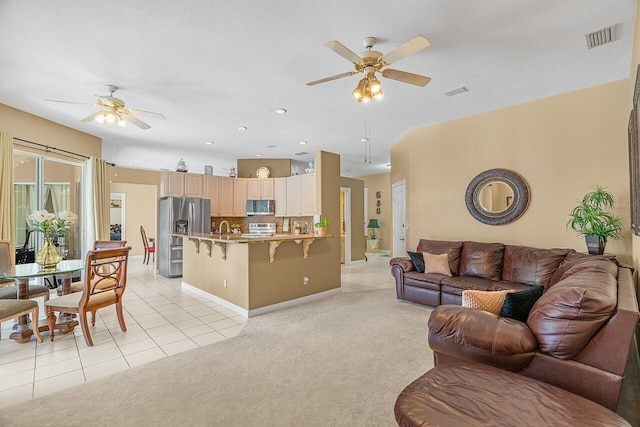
{"x": 378, "y": 94}
{"x": 356, "y": 93}
{"x": 110, "y": 119}
{"x": 121, "y": 122}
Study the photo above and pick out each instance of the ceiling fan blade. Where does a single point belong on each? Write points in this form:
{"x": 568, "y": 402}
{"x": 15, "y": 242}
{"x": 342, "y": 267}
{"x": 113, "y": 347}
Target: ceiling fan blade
{"x": 336, "y": 77}
{"x": 68, "y": 102}
{"x": 91, "y": 117}
{"x": 409, "y": 48}
{"x": 137, "y": 111}
{"x": 403, "y": 76}
{"x": 343, "y": 51}
{"x": 136, "y": 121}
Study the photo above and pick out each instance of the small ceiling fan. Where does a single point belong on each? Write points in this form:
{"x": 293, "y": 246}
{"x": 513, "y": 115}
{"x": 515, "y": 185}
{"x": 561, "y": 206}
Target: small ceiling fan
{"x": 113, "y": 111}
{"x": 371, "y": 62}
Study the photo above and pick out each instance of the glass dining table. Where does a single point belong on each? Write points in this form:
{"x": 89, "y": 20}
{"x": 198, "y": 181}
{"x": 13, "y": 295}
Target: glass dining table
{"x": 21, "y": 273}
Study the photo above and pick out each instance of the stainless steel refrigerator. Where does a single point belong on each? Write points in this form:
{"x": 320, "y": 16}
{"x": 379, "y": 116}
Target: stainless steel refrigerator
{"x": 179, "y": 215}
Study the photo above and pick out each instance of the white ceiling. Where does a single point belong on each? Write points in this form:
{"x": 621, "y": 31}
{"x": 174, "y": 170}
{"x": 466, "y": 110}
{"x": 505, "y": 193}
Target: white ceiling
{"x": 212, "y": 66}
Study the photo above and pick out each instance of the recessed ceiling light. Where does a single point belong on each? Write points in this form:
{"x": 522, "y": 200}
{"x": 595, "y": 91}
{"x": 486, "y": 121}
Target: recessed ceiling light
{"x": 301, "y": 153}
{"x": 280, "y": 111}
{"x": 243, "y": 128}
{"x": 258, "y": 155}
{"x": 209, "y": 142}
{"x": 303, "y": 142}
{"x": 271, "y": 146}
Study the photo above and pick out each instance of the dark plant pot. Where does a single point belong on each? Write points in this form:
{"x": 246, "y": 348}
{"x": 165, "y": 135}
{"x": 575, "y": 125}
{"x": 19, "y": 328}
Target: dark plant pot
{"x": 594, "y": 245}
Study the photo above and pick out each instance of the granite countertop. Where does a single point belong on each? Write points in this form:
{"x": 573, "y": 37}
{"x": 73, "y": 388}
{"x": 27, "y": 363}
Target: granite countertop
{"x": 239, "y": 238}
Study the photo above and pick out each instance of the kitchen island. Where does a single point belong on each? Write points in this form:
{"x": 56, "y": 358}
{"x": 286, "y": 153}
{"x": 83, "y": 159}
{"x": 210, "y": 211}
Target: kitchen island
{"x": 254, "y": 275}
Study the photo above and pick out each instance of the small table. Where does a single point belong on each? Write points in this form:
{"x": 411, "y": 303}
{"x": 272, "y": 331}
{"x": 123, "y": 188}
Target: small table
{"x": 22, "y": 273}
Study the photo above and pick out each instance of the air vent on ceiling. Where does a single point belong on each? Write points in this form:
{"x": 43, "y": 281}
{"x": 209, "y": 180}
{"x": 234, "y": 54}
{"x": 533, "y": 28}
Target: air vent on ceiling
{"x": 271, "y": 146}
{"x": 600, "y": 37}
{"x": 457, "y": 91}
{"x": 301, "y": 153}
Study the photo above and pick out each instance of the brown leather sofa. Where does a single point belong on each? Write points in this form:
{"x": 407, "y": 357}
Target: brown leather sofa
{"x": 576, "y": 337}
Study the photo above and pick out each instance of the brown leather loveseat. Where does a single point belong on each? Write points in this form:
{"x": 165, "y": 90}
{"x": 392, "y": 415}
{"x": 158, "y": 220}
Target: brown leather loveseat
{"x": 577, "y": 335}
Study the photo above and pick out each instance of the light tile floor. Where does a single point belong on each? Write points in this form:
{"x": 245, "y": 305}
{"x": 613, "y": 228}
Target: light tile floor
{"x": 162, "y": 319}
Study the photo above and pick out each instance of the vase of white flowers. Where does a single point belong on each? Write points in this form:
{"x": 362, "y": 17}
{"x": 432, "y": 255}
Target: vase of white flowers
{"x": 50, "y": 225}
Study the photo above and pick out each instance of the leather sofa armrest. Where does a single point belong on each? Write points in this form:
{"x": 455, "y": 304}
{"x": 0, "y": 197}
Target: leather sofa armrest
{"x": 479, "y": 330}
{"x": 403, "y": 262}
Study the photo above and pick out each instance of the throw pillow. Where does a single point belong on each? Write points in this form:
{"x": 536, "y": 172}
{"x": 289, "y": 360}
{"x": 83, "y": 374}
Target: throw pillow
{"x": 483, "y": 300}
{"x": 418, "y": 261}
{"x": 517, "y": 305}
{"x": 436, "y": 263}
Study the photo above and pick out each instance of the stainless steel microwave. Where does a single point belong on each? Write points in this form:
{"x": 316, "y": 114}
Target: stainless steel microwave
{"x": 261, "y": 207}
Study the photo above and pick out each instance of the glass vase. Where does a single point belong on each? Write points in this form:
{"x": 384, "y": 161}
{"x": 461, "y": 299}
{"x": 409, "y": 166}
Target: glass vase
{"x": 48, "y": 257}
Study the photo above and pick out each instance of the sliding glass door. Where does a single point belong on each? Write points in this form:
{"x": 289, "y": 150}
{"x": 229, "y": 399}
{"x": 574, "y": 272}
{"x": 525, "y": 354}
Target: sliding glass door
{"x": 53, "y": 185}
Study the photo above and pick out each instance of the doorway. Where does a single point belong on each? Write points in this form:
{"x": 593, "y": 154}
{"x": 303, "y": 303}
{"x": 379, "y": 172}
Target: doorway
{"x": 399, "y": 218}
{"x": 116, "y": 216}
{"x": 345, "y": 225}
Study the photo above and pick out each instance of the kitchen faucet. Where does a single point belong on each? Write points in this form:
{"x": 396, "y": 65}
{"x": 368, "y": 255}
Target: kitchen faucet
{"x": 228, "y": 228}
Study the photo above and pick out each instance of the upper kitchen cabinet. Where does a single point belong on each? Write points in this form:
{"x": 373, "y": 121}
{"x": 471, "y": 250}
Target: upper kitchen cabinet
{"x": 181, "y": 184}
{"x": 301, "y": 195}
{"x": 240, "y": 191}
{"x": 280, "y": 196}
{"x": 226, "y": 196}
{"x": 212, "y": 192}
{"x": 260, "y": 189}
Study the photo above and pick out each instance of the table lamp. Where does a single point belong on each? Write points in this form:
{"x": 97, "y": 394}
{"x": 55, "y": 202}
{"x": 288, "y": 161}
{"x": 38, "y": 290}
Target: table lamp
{"x": 373, "y": 224}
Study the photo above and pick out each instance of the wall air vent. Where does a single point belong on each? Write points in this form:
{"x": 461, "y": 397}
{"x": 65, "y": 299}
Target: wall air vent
{"x": 457, "y": 91}
{"x": 301, "y": 153}
{"x": 600, "y": 37}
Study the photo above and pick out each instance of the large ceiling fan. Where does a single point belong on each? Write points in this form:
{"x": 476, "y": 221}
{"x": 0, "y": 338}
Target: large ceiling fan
{"x": 371, "y": 62}
{"x": 113, "y": 111}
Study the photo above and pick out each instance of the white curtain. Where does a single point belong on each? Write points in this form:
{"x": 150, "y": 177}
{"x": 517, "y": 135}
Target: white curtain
{"x": 7, "y": 214}
{"x": 96, "y": 196}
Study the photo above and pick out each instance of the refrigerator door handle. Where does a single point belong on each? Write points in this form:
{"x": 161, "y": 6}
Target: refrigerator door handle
{"x": 191, "y": 217}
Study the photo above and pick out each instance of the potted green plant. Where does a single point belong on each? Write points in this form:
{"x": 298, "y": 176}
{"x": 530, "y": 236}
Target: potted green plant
{"x": 592, "y": 219}
{"x": 320, "y": 227}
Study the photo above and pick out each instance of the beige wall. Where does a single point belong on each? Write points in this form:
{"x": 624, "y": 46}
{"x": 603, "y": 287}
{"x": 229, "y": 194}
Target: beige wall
{"x": 357, "y": 216}
{"x": 36, "y": 129}
{"x": 140, "y": 209}
{"x": 561, "y": 145}
{"x": 382, "y": 183}
{"x": 278, "y": 168}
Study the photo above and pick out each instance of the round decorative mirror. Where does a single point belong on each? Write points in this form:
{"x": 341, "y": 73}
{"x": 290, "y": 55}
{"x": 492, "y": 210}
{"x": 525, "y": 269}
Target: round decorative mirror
{"x": 497, "y": 196}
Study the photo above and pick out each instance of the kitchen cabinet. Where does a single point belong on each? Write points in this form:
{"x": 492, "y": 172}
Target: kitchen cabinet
{"x": 260, "y": 189}
{"x": 172, "y": 184}
{"x": 280, "y": 196}
{"x": 301, "y": 195}
{"x": 240, "y": 191}
{"x": 181, "y": 184}
{"x": 193, "y": 185}
{"x": 226, "y": 196}
{"x": 212, "y": 192}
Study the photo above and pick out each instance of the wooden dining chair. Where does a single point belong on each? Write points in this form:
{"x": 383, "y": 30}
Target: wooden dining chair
{"x": 12, "y": 309}
{"x": 105, "y": 280}
{"x": 148, "y": 249}
{"x": 8, "y": 288}
{"x": 97, "y": 245}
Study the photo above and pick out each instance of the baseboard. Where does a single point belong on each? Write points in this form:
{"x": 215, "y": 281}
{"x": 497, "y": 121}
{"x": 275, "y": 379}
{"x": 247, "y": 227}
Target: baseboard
{"x": 262, "y": 310}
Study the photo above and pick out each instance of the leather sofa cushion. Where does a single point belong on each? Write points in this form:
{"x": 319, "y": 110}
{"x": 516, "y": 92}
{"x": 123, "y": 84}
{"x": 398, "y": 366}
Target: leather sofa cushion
{"x": 482, "y": 260}
{"x": 457, "y": 284}
{"x": 574, "y": 262}
{"x": 531, "y": 266}
{"x": 423, "y": 280}
{"x": 467, "y": 394}
{"x": 452, "y": 249}
{"x": 570, "y": 312}
{"x": 482, "y": 330}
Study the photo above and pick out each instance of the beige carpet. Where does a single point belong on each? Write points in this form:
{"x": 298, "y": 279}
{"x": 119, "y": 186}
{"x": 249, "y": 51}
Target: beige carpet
{"x": 341, "y": 361}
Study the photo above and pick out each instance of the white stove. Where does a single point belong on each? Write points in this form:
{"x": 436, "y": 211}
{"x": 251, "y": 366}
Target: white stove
{"x": 261, "y": 229}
